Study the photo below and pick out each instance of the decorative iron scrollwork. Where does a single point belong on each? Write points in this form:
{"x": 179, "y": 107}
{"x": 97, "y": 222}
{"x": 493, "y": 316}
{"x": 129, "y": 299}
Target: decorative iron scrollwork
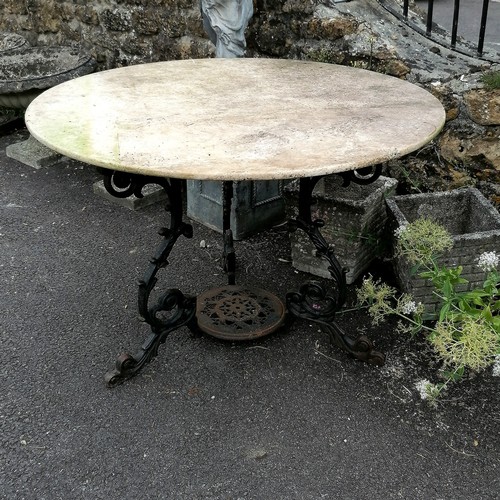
{"x": 172, "y": 310}
{"x": 312, "y": 229}
{"x": 124, "y": 184}
{"x": 159, "y": 261}
{"x": 313, "y": 304}
{"x": 361, "y": 176}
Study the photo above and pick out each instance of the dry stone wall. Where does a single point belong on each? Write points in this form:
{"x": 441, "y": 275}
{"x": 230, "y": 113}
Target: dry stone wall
{"x": 358, "y": 33}
{"x": 117, "y": 32}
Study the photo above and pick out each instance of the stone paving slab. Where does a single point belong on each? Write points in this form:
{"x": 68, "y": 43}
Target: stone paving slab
{"x": 287, "y": 417}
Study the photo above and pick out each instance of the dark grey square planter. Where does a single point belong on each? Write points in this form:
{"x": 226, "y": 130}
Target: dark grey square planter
{"x": 355, "y": 219}
{"x": 256, "y": 205}
{"x": 473, "y": 223}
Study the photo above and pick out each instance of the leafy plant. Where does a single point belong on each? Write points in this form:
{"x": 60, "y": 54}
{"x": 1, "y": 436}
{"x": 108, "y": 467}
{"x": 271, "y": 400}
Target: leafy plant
{"x": 466, "y": 334}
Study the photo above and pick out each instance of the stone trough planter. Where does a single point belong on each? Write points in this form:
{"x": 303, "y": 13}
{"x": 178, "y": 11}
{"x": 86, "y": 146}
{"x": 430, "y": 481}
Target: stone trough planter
{"x": 473, "y": 223}
{"x": 355, "y": 219}
{"x": 25, "y": 73}
{"x": 10, "y": 118}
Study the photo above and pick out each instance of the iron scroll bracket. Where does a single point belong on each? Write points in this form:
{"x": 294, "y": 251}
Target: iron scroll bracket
{"x": 363, "y": 176}
{"x": 312, "y": 302}
{"x": 173, "y": 309}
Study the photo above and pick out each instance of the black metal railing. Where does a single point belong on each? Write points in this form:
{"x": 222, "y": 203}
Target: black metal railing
{"x": 401, "y": 9}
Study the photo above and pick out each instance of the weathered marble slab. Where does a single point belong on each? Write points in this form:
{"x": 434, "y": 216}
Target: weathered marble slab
{"x": 235, "y": 119}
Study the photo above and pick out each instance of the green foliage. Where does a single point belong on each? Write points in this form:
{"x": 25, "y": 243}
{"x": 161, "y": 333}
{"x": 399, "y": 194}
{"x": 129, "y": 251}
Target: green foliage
{"x": 377, "y": 296}
{"x": 422, "y": 240}
{"x": 467, "y": 332}
{"x": 470, "y": 343}
{"x": 491, "y": 80}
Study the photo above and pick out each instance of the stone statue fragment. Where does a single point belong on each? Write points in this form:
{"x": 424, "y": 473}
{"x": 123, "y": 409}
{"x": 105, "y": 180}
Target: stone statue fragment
{"x": 225, "y": 22}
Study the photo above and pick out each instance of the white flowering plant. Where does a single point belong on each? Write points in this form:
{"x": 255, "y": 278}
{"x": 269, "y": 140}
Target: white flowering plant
{"x": 466, "y": 334}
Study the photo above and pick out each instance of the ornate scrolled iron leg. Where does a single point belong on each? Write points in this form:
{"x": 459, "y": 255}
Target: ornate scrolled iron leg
{"x": 312, "y": 302}
{"x": 172, "y": 310}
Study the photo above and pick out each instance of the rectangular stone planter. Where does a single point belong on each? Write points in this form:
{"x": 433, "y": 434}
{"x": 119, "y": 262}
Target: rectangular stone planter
{"x": 256, "y": 205}
{"x": 473, "y": 223}
{"x": 355, "y": 218}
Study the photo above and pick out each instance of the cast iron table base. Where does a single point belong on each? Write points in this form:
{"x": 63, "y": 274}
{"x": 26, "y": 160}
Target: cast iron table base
{"x": 235, "y": 312}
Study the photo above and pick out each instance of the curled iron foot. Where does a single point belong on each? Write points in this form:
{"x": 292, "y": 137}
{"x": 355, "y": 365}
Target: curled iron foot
{"x": 313, "y": 304}
{"x": 179, "y": 311}
{"x": 126, "y": 367}
{"x": 361, "y": 348}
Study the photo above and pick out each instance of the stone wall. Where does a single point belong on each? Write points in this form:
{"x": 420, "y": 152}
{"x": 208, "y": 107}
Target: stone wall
{"x": 117, "y": 32}
{"x": 359, "y": 33}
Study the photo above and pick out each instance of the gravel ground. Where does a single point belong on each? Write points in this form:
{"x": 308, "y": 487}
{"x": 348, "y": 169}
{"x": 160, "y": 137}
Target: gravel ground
{"x": 285, "y": 417}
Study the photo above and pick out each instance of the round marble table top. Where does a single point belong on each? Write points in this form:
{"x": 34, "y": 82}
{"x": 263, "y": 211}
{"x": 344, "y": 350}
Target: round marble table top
{"x": 235, "y": 119}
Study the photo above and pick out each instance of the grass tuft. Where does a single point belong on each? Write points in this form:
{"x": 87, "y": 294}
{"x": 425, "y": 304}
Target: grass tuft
{"x": 491, "y": 80}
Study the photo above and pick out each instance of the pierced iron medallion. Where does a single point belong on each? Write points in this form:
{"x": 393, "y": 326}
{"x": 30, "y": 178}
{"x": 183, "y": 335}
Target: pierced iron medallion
{"x": 239, "y": 313}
